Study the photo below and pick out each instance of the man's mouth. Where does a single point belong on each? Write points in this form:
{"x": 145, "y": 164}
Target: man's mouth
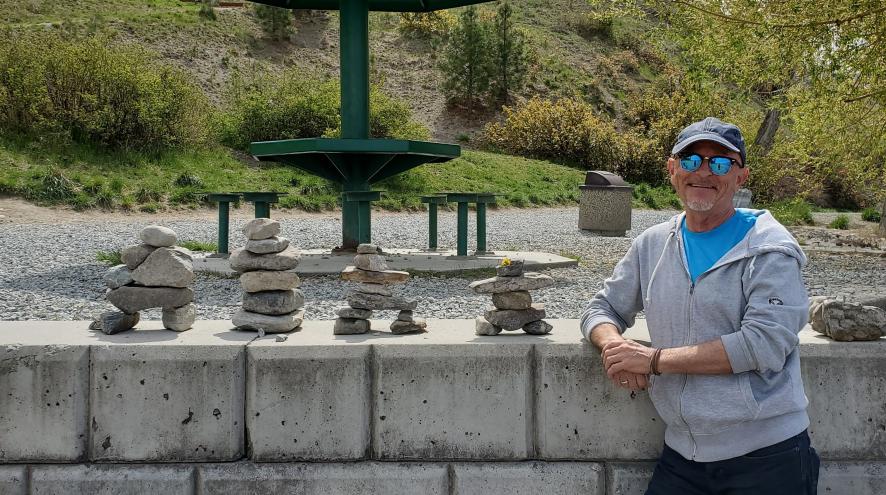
{"x": 701, "y": 186}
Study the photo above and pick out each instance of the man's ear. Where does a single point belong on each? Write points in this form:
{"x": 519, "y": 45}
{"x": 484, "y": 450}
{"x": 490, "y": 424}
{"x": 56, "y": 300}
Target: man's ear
{"x": 743, "y": 174}
{"x": 672, "y": 164}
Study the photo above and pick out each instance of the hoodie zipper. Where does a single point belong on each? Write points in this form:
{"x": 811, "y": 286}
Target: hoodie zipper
{"x": 689, "y": 340}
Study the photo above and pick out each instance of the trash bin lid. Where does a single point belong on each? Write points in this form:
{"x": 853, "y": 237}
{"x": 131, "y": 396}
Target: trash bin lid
{"x": 603, "y": 179}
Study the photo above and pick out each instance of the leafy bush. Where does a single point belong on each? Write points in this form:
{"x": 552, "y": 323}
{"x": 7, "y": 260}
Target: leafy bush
{"x": 97, "y": 92}
{"x": 145, "y": 195}
{"x": 793, "y": 211}
{"x": 428, "y": 25}
{"x": 207, "y": 9}
{"x": 870, "y": 215}
{"x": 51, "y": 185}
{"x": 294, "y": 105}
{"x": 841, "y": 222}
{"x": 594, "y": 24}
{"x": 188, "y": 180}
{"x": 568, "y": 131}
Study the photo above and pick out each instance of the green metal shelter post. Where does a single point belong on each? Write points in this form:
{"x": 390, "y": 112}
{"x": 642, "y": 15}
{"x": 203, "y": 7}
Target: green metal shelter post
{"x": 354, "y": 39}
{"x": 482, "y": 201}
{"x": 432, "y": 202}
{"x": 262, "y": 201}
{"x": 224, "y": 223}
{"x": 360, "y": 215}
{"x": 462, "y": 225}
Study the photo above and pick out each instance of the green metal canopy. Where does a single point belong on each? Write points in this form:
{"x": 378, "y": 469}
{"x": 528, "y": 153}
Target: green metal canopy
{"x": 377, "y": 5}
{"x": 355, "y": 161}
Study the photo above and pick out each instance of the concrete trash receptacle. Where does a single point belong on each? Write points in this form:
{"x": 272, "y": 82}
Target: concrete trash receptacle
{"x": 605, "y": 204}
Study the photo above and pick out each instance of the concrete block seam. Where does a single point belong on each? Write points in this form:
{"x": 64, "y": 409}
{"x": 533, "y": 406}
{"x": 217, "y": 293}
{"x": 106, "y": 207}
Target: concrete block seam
{"x": 532, "y": 421}
{"x": 452, "y": 487}
{"x": 371, "y": 452}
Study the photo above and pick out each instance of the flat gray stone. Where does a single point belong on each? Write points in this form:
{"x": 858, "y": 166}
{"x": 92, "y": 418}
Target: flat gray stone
{"x": 349, "y": 312}
{"x": 528, "y": 281}
{"x": 483, "y": 327}
{"x": 118, "y": 276}
{"x": 131, "y": 299}
{"x": 165, "y": 267}
{"x": 512, "y": 300}
{"x": 354, "y": 274}
{"x": 539, "y": 327}
{"x": 180, "y": 319}
{"x": 261, "y": 280}
{"x": 274, "y": 302}
{"x": 261, "y": 228}
{"x": 405, "y": 315}
{"x": 368, "y": 249}
{"x": 246, "y": 320}
{"x": 400, "y": 327}
{"x": 133, "y": 255}
{"x": 847, "y": 321}
{"x": 350, "y": 326}
{"x": 112, "y": 322}
{"x": 371, "y": 262}
{"x": 380, "y": 289}
{"x": 514, "y": 269}
{"x": 158, "y": 236}
{"x": 513, "y": 319}
{"x": 266, "y": 246}
{"x": 244, "y": 261}
{"x": 374, "y": 301}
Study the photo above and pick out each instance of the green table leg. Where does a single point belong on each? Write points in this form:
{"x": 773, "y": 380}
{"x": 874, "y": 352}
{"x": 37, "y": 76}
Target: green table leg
{"x": 224, "y": 226}
{"x": 364, "y": 212}
{"x": 481, "y": 227}
{"x": 262, "y": 209}
{"x": 462, "y": 246}
{"x": 432, "y": 226}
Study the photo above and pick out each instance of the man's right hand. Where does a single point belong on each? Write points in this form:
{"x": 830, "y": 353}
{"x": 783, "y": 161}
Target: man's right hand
{"x": 605, "y": 333}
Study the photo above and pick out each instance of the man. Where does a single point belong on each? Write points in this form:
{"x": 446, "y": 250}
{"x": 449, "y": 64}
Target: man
{"x": 724, "y": 300}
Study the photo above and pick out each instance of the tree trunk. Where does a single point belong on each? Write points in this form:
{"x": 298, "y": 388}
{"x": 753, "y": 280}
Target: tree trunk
{"x": 882, "y": 228}
{"x": 766, "y": 133}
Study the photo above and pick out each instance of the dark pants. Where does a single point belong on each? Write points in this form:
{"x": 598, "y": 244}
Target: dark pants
{"x": 786, "y": 468}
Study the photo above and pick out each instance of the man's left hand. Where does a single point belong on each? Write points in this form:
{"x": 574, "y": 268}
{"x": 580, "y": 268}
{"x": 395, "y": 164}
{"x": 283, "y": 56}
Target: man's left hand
{"x": 628, "y": 356}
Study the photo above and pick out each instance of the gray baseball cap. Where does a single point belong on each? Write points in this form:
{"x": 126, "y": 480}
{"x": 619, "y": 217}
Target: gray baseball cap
{"x": 712, "y": 129}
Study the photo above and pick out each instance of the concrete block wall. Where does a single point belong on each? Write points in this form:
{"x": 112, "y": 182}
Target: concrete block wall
{"x": 218, "y": 411}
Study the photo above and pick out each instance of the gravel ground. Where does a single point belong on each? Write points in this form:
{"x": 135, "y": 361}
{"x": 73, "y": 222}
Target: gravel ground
{"x": 50, "y": 272}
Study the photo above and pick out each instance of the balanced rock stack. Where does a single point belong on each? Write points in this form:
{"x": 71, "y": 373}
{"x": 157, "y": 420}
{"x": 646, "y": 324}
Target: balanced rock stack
{"x": 847, "y": 321}
{"x": 271, "y": 301}
{"x": 514, "y": 308}
{"x": 372, "y": 293}
{"x": 154, "y": 274}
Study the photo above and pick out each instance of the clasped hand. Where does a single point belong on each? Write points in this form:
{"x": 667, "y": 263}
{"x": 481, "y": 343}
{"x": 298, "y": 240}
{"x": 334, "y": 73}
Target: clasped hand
{"x": 627, "y": 363}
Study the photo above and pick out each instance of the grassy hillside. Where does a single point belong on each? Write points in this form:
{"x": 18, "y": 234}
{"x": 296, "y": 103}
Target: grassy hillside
{"x": 571, "y": 60}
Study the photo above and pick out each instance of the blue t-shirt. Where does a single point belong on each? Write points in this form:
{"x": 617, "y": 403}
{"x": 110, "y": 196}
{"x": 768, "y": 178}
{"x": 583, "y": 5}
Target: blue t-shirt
{"x": 703, "y": 249}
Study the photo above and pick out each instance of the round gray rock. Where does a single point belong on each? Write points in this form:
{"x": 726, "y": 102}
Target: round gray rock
{"x": 262, "y": 280}
{"x": 158, "y": 236}
{"x": 261, "y": 228}
{"x": 245, "y": 320}
{"x": 180, "y": 319}
{"x": 368, "y": 249}
{"x": 350, "y": 326}
{"x": 400, "y": 327}
{"x": 274, "y": 302}
{"x": 371, "y": 262}
{"x": 483, "y": 327}
{"x": 265, "y": 246}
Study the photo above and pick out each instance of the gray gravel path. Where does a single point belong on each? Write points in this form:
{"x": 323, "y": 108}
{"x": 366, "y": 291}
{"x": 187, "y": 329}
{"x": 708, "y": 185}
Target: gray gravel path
{"x": 50, "y": 272}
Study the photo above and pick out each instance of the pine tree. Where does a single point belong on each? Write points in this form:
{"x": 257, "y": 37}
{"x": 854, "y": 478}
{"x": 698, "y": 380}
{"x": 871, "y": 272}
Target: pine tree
{"x": 465, "y": 62}
{"x": 510, "y": 55}
{"x": 275, "y": 21}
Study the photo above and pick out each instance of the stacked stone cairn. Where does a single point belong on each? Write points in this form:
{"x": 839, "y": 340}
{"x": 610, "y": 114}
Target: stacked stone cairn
{"x": 154, "y": 274}
{"x": 373, "y": 277}
{"x": 271, "y": 301}
{"x": 848, "y": 321}
{"x": 513, "y": 307}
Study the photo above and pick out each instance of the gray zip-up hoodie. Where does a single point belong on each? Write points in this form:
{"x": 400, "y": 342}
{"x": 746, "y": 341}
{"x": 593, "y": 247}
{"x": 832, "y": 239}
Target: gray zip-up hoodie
{"x": 753, "y": 300}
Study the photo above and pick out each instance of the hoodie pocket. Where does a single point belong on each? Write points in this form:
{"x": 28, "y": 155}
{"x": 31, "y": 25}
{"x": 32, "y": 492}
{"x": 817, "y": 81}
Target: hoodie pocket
{"x": 713, "y": 403}
{"x": 664, "y": 390}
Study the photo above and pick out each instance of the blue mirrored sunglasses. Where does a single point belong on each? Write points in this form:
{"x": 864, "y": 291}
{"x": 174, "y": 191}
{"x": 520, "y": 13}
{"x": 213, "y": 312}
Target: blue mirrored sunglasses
{"x": 720, "y": 165}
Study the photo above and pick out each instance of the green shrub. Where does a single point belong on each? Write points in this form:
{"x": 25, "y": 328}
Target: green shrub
{"x": 203, "y": 247}
{"x": 97, "y": 92}
{"x": 294, "y": 105}
{"x": 207, "y": 9}
{"x": 870, "y": 215}
{"x": 51, "y": 185}
{"x": 275, "y": 21}
{"x": 145, "y": 195}
{"x": 841, "y": 222}
{"x": 188, "y": 180}
{"x": 105, "y": 199}
{"x": 594, "y": 24}
{"x": 150, "y": 207}
{"x": 794, "y": 211}
{"x": 109, "y": 257}
{"x": 428, "y": 25}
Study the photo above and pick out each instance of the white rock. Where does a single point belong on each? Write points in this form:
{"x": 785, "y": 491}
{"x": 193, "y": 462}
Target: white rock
{"x": 158, "y": 236}
{"x": 261, "y": 228}
{"x": 180, "y": 319}
{"x": 165, "y": 267}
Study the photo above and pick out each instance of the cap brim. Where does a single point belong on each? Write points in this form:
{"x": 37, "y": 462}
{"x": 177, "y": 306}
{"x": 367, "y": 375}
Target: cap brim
{"x": 706, "y": 136}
